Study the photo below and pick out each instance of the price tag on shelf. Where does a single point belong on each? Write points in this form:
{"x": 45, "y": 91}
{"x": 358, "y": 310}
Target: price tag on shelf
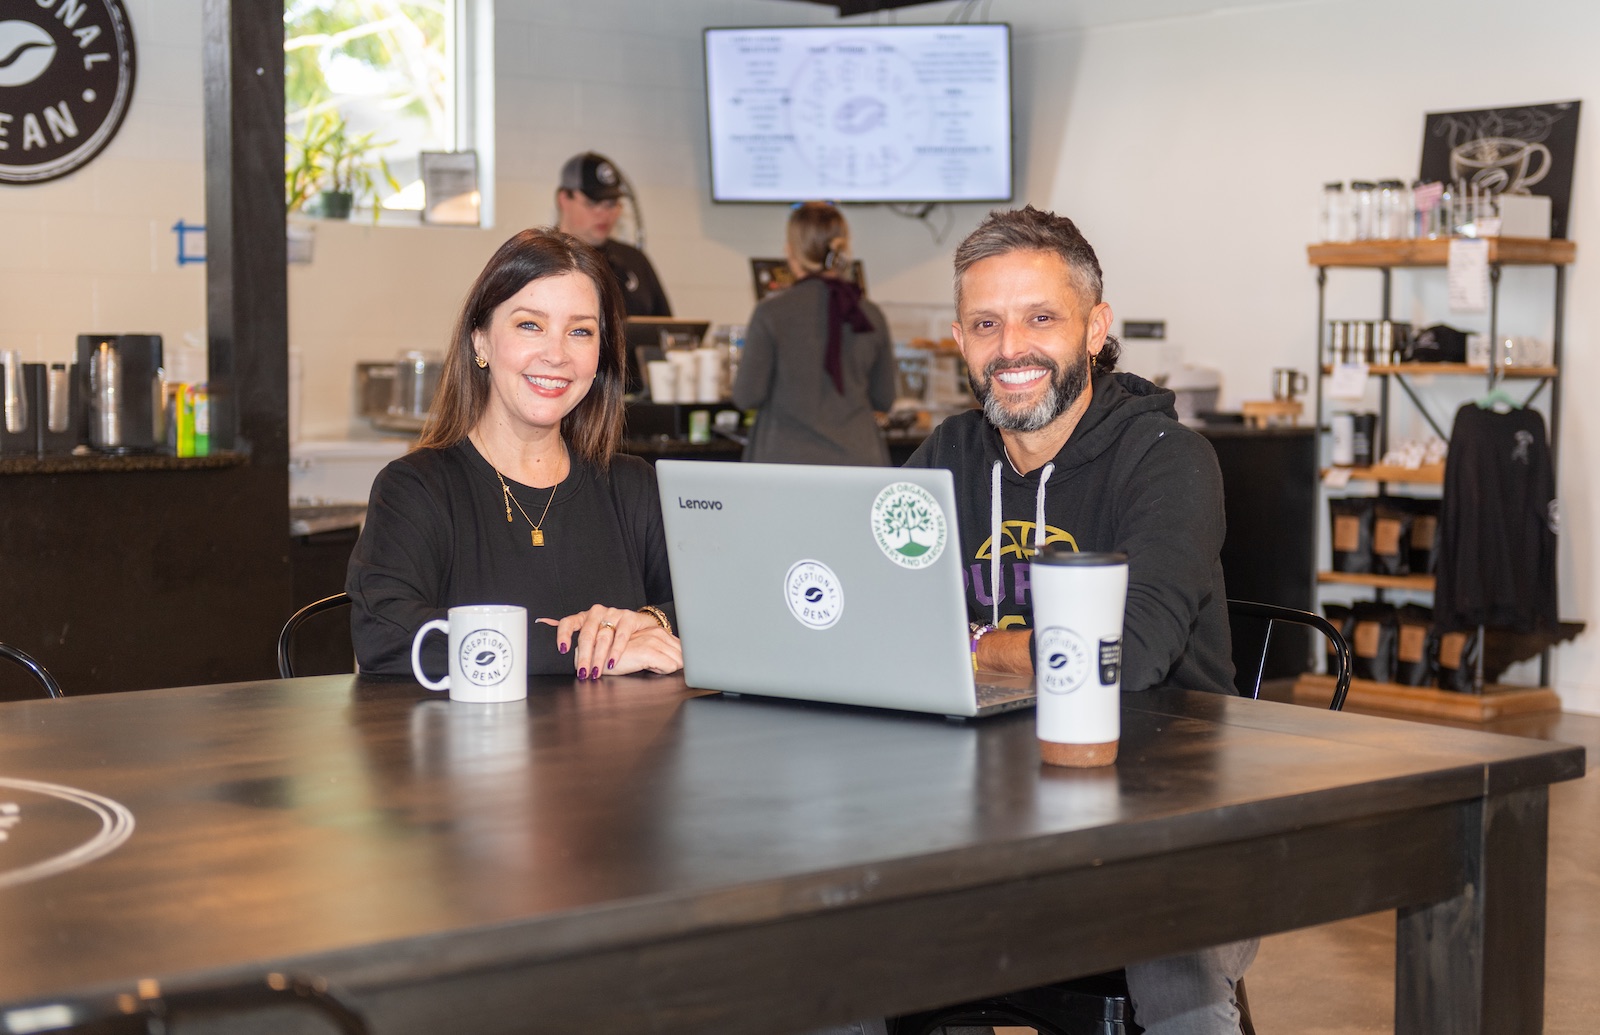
{"x": 1336, "y": 477}
{"x": 1349, "y": 382}
{"x": 1469, "y": 274}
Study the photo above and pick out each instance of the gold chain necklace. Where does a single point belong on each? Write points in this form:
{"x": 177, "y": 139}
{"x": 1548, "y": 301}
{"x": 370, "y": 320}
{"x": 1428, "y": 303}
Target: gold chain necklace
{"x": 505, "y": 490}
{"x": 538, "y": 534}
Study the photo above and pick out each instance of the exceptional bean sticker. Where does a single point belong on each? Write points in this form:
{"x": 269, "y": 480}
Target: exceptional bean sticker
{"x": 814, "y": 594}
{"x": 66, "y": 80}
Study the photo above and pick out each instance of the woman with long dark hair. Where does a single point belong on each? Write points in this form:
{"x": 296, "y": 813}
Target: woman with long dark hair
{"x": 817, "y": 361}
{"x": 516, "y": 493}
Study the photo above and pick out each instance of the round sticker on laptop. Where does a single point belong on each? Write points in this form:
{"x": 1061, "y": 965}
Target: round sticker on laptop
{"x": 814, "y": 594}
{"x": 908, "y": 525}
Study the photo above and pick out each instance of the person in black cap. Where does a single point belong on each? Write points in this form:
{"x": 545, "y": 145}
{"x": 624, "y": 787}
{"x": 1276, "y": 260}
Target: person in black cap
{"x": 589, "y": 200}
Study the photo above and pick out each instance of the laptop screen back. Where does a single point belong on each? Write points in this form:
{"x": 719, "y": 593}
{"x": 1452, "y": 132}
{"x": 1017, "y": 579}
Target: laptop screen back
{"x": 838, "y": 584}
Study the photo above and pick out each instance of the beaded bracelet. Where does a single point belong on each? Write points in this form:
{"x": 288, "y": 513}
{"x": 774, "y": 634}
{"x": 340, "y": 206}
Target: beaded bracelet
{"x": 659, "y": 615}
{"x": 978, "y": 632}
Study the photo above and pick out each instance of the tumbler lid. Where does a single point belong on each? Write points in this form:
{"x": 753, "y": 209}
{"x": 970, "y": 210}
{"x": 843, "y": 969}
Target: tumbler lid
{"x": 1061, "y": 553}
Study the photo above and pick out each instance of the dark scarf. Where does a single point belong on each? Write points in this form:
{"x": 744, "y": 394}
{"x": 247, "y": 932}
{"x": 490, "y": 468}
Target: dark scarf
{"x": 844, "y": 306}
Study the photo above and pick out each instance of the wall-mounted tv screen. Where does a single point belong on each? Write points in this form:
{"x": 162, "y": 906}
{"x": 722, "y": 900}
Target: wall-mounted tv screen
{"x": 860, "y": 113}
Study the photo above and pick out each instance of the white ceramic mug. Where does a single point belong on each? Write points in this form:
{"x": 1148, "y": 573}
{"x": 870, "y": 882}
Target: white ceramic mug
{"x": 488, "y": 653}
{"x": 1078, "y": 601}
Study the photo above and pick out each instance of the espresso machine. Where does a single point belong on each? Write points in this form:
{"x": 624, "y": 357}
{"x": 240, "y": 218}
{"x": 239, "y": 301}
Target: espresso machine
{"x": 121, "y": 379}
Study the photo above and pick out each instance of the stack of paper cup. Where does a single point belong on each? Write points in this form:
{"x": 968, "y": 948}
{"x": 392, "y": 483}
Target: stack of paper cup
{"x": 1078, "y": 601}
{"x": 663, "y": 380}
{"x": 686, "y": 366}
{"x": 708, "y": 382}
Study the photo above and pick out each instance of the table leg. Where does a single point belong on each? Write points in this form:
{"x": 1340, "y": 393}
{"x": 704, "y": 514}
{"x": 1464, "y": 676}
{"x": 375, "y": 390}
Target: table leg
{"x": 1474, "y": 964}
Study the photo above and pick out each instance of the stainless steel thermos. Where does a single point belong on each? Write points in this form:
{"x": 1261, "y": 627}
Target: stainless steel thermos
{"x": 123, "y": 386}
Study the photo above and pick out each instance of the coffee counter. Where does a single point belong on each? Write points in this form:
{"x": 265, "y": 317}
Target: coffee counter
{"x": 101, "y": 463}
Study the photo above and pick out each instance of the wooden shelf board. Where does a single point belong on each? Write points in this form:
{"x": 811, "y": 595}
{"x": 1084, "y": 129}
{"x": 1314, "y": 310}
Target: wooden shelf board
{"x": 1503, "y": 251}
{"x": 1431, "y": 474}
{"x": 1418, "y": 583}
{"x": 1455, "y": 370}
{"x": 1493, "y": 703}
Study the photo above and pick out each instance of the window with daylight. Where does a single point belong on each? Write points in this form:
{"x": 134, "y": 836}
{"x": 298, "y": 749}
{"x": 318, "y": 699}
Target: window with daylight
{"x": 369, "y": 85}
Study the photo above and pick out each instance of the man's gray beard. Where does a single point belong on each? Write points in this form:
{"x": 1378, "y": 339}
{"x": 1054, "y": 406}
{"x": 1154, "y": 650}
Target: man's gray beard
{"x": 1065, "y": 387}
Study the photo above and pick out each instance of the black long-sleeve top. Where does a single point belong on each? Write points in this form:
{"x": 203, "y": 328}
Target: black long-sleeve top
{"x": 436, "y": 535}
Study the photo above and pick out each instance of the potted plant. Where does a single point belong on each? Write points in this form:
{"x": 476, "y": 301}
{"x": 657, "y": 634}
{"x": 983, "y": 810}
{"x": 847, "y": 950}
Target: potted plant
{"x": 326, "y": 167}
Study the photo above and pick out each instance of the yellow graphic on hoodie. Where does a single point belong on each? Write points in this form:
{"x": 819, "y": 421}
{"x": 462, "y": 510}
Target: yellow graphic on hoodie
{"x": 1016, "y": 547}
{"x": 1017, "y": 540}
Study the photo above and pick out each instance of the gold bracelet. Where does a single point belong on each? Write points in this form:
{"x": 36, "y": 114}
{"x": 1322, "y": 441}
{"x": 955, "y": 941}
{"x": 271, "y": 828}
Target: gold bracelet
{"x": 659, "y": 615}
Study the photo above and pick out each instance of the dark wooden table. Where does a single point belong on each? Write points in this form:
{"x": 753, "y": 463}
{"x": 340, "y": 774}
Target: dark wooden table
{"x": 629, "y": 857}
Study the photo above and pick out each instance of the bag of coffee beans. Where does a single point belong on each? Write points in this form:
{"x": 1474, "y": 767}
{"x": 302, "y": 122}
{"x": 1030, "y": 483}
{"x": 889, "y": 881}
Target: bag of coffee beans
{"x": 1374, "y": 636}
{"x": 1391, "y": 536}
{"x": 1424, "y": 538}
{"x": 1338, "y": 615}
{"x": 1458, "y": 659}
{"x": 1416, "y": 648}
{"x": 1350, "y": 524}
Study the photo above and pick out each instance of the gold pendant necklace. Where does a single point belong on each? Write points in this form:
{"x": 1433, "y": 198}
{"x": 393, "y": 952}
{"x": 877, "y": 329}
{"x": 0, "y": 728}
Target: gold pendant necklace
{"x": 537, "y": 536}
{"x": 538, "y": 533}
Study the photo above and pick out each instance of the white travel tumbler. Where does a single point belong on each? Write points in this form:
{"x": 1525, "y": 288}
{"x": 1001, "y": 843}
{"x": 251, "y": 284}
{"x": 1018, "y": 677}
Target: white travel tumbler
{"x": 1078, "y": 602}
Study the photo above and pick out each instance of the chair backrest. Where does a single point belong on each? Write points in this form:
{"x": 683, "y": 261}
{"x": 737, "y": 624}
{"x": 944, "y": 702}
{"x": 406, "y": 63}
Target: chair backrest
{"x": 40, "y": 673}
{"x": 286, "y": 637}
{"x": 1273, "y": 615}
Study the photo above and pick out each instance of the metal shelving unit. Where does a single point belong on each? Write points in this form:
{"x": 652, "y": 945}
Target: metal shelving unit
{"x": 1385, "y": 257}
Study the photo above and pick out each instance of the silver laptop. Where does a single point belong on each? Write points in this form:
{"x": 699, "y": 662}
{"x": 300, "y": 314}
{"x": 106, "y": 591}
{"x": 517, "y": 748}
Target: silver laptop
{"x": 836, "y": 584}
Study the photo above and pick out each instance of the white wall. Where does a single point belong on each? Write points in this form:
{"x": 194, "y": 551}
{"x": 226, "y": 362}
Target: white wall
{"x": 1190, "y": 149}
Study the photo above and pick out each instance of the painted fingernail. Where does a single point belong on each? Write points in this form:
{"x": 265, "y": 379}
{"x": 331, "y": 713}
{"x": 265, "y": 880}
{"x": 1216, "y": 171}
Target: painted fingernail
{"x": 562, "y": 648}
{"x": 582, "y": 672}
{"x": 611, "y": 663}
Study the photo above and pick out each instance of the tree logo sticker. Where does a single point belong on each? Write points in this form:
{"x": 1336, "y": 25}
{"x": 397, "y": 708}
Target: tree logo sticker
{"x": 908, "y": 525}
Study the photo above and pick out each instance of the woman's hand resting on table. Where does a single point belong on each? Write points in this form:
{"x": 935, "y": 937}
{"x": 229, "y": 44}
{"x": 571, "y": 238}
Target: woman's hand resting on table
{"x": 613, "y": 641}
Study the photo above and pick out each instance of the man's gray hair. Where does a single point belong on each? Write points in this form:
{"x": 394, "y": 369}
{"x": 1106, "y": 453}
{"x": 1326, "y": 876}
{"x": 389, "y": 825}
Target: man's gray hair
{"x": 1028, "y": 229}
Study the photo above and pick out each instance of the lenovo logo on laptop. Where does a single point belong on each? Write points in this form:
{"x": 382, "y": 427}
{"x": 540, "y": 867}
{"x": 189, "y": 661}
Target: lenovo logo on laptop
{"x": 684, "y": 504}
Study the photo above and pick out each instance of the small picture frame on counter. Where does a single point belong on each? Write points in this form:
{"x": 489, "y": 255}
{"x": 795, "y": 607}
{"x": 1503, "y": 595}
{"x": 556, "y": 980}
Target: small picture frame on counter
{"x": 450, "y": 188}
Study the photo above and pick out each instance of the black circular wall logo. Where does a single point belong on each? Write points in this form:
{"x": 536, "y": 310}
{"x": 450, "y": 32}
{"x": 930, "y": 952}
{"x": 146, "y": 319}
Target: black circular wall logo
{"x": 66, "y": 78}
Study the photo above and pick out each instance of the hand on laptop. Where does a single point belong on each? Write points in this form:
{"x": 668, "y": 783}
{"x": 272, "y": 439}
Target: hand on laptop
{"x": 615, "y": 641}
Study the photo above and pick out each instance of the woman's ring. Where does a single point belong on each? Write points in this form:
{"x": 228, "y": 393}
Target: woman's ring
{"x": 608, "y": 625}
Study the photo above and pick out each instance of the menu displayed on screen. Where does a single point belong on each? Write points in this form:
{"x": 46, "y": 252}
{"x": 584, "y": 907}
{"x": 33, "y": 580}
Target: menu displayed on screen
{"x": 860, "y": 113}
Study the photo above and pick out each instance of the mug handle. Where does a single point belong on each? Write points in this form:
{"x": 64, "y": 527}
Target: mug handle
{"x": 416, "y": 654}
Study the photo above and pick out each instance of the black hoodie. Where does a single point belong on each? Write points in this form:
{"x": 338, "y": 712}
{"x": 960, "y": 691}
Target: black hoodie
{"x": 1130, "y": 479}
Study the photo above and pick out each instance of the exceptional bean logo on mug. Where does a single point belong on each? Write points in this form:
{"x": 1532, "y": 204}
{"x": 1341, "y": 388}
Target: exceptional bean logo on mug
{"x": 488, "y": 653}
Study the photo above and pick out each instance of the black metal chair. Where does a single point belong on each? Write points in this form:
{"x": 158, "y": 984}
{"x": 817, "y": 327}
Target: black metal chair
{"x": 1100, "y": 1004}
{"x": 1273, "y": 615}
{"x": 124, "y": 1014}
{"x": 286, "y": 637}
{"x": 39, "y": 672}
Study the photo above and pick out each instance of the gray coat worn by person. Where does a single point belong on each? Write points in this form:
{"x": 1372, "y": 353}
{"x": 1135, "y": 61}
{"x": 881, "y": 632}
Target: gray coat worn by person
{"x": 804, "y": 418}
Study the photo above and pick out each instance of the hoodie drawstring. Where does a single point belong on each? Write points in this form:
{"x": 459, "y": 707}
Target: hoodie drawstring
{"x": 995, "y": 546}
{"x": 994, "y": 543}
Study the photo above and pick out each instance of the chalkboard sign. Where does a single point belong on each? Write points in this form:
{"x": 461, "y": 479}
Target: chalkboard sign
{"x": 1526, "y": 150}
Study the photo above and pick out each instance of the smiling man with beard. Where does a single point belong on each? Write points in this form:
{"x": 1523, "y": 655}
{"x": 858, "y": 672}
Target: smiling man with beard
{"x": 1066, "y": 450}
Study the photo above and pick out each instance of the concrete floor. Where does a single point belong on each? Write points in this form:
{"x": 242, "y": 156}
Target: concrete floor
{"x": 1338, "y": 979}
